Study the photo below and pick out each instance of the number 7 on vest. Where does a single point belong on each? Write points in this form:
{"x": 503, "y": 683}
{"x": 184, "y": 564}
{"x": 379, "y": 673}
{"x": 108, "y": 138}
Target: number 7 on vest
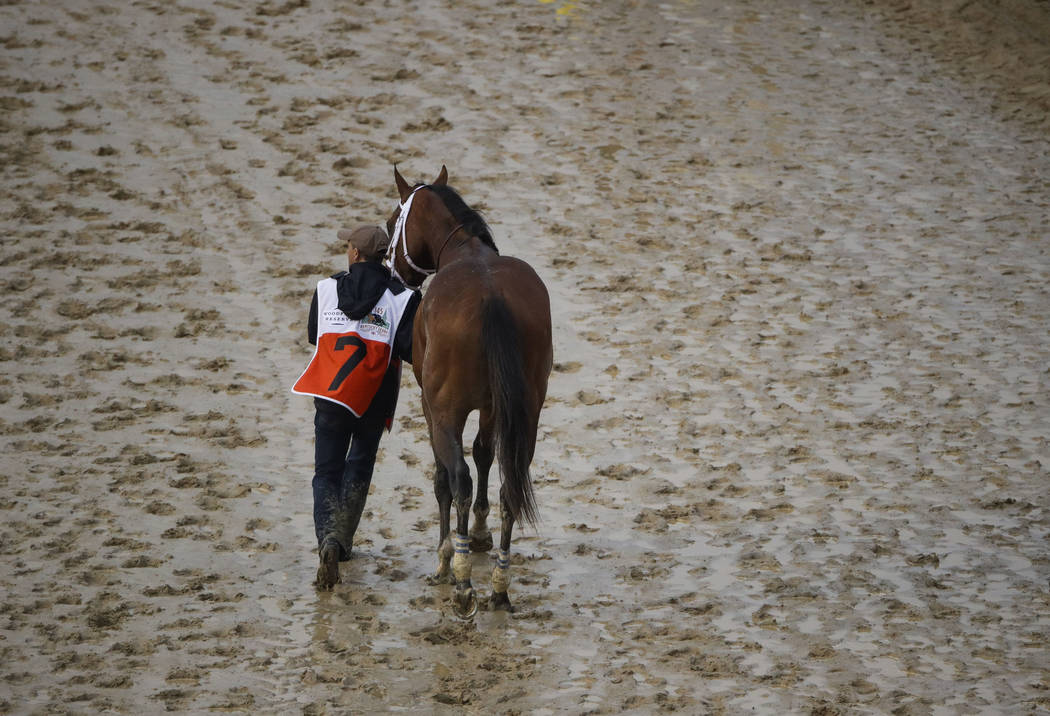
{"x": 356, "y": 357}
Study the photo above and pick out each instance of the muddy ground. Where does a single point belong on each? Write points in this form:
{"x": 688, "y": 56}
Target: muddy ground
{"x": 795, "y": 453}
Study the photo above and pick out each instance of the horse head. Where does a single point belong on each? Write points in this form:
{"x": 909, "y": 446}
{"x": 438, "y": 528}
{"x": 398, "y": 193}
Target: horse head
{"x": 410, "y": 242}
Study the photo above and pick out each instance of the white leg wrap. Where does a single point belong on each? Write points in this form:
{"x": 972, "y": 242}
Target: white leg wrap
{"x": 501, "y": 574}
{"x": 461, "y": 558}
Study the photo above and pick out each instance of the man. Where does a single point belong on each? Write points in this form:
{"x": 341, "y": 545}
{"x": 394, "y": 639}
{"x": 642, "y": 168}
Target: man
{"x": 361, "y": 325}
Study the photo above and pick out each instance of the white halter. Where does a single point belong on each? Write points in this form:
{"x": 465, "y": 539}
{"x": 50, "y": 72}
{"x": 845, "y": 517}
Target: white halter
{"x": 399, "y": 237}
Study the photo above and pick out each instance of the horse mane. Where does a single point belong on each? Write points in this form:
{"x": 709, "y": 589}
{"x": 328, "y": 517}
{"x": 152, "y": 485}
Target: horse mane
{"x": 472, "y": 221}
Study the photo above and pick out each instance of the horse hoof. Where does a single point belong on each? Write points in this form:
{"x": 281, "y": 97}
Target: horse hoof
{"x": 465, "y": 604}
{"x": 481, "y": 543}
{"x": 501, "y": 601}
{"x": 439, "y": 579}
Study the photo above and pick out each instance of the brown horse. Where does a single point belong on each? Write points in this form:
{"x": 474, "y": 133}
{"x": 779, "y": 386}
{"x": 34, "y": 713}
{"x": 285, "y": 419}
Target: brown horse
{"x": 481, "y": 341}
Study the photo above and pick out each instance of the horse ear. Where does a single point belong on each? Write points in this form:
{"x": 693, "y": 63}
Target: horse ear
{"x": 402, "y": 186}
{"x": 442, "y": 179}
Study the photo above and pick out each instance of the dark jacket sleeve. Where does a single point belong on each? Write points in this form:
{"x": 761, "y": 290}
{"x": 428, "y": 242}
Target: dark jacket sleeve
{"x": 311, "y": 324}
{"x": 403, "y": 339}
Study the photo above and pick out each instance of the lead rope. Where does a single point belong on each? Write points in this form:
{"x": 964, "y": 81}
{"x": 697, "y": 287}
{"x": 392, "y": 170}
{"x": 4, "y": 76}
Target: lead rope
{"x": 400, "y": 237}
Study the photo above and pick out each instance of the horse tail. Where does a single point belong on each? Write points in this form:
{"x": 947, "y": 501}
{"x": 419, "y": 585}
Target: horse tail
{"x": 509, "y": 408}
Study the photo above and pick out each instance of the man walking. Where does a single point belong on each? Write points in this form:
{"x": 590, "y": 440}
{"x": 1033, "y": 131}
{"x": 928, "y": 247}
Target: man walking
{"x": 361, "y": 324}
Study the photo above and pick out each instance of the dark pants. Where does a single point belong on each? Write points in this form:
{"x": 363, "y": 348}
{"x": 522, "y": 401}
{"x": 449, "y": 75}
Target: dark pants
{"x": 344, "y": 457}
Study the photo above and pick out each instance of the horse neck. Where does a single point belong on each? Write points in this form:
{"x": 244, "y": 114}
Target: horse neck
{"x": 442, "y": 245}
{"x": 464, "y": 246}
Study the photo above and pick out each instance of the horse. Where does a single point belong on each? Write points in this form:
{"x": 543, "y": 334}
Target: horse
{"x": 481, "y": 342}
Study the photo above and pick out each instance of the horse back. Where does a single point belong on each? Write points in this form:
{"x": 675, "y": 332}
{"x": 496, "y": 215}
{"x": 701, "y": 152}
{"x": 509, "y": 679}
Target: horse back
{"x": 455, "y": 296}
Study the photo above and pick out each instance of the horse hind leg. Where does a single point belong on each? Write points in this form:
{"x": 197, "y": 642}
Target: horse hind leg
{"x": 501, "y": 572}
{"x": 443, "y": 493}
{"x": 448, "y": 451}
{"x": 480, "y": 535}
{"x": 465, "y": 600}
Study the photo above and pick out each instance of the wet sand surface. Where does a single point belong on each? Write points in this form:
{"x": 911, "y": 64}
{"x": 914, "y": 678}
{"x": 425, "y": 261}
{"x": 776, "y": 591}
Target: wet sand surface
{"x": 795, "y": 452}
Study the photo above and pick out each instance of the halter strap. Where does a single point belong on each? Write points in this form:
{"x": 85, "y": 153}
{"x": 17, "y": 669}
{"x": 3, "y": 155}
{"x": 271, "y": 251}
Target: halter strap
{"x": 437, "y": 261}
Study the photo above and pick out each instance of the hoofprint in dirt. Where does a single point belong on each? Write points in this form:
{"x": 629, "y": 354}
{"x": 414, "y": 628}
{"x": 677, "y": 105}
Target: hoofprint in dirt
{"x": 794, "y": 453}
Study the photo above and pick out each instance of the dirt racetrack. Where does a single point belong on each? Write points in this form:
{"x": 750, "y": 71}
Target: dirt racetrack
{"x": 795, "y": 453}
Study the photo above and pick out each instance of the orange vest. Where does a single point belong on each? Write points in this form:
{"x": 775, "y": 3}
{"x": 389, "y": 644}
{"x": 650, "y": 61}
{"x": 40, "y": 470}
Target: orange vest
{"x": 351, "y": 356}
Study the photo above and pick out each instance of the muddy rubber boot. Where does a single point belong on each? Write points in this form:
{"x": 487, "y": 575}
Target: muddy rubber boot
{"x": 328, "y": 569}
{"x": 350, "y": 518}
